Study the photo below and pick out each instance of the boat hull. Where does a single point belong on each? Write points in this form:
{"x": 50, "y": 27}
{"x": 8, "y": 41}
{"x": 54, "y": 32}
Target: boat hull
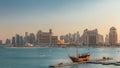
{"x": 80, "y": 58}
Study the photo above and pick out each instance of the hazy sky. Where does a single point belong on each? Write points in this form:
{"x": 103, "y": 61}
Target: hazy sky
{"x": 63, "y": 16}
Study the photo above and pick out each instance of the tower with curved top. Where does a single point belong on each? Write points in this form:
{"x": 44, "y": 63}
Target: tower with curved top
{"x": 113, "y": 36}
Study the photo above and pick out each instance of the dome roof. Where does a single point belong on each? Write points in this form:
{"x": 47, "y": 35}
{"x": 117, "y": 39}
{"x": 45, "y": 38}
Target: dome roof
{"x": 112, "y": 28}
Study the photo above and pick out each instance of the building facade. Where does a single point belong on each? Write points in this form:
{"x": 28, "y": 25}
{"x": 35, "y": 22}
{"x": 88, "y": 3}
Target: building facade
{"x": 46, "y": 38}
{"x": 13, "y": 41}
{"x": 91, "y": 37}
{"x": 113, "y": 36}
{"x": 106, "y": 40}
{"x": 19, "y": 41}
{"x": 8, "y": 42}
{"x": 26, "y": 38}
{"x": 32, "y": 38}
{"x": 1, "y": 42}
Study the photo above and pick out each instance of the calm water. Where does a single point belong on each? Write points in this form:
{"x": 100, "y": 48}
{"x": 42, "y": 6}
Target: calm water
{"x": 43, "y": 57}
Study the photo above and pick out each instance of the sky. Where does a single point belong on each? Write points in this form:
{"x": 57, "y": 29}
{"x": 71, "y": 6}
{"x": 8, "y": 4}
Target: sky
{"x": 62, "y": 16}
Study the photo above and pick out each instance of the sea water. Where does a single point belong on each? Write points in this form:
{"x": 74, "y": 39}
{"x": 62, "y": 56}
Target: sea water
{"x": 43, "y": 57}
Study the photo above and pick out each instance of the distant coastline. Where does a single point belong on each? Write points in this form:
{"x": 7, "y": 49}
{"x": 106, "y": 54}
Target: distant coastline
{"x": 66, "y": 47}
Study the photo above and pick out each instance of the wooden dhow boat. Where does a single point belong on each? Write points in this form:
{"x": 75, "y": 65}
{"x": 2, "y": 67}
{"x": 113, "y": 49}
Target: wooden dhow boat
{"x": 78, "y": 57}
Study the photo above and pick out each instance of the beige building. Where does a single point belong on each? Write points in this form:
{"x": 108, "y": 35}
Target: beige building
{"x": 91, "y": 37}
{"x": 107, "y": 40}
{"x": 46, "y": 37}
{"x": 113, "y": 36}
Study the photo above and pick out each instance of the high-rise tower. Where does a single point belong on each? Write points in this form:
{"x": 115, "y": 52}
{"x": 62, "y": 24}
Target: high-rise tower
{"x": 113, "y": 36}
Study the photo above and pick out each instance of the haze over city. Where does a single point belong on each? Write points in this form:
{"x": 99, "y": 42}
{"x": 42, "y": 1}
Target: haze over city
{"x": 63, "y": 16}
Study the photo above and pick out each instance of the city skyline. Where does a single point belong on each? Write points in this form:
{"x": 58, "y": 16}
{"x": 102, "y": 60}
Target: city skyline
{"x": 63, "y": 16}
{"x": 75, "y": 34}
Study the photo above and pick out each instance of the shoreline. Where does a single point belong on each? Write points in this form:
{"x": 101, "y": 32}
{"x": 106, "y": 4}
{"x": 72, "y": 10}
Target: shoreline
{"x": 68, "y": 47}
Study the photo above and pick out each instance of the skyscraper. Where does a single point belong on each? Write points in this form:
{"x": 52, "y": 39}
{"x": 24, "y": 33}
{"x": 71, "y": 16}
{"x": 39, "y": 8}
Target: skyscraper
{"x": 50, "y": 35}
{"x": 26, "y": 38}
{"x": 32, "y": 38}
{"x": 13, "y": 41}
{"x": 107, "y": 40}
{"x": 77, "y": 37}
{"x": 19, "y": 40}
{"x": 113, "y": 36}
{"x": 8, "y": 41}
{"x": 39, "y": 34}
{"x": 0, "y": 42}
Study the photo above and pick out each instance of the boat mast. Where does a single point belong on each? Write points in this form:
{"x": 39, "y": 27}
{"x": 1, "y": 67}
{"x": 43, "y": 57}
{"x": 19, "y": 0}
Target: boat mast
{"x": 77, "y": 49}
